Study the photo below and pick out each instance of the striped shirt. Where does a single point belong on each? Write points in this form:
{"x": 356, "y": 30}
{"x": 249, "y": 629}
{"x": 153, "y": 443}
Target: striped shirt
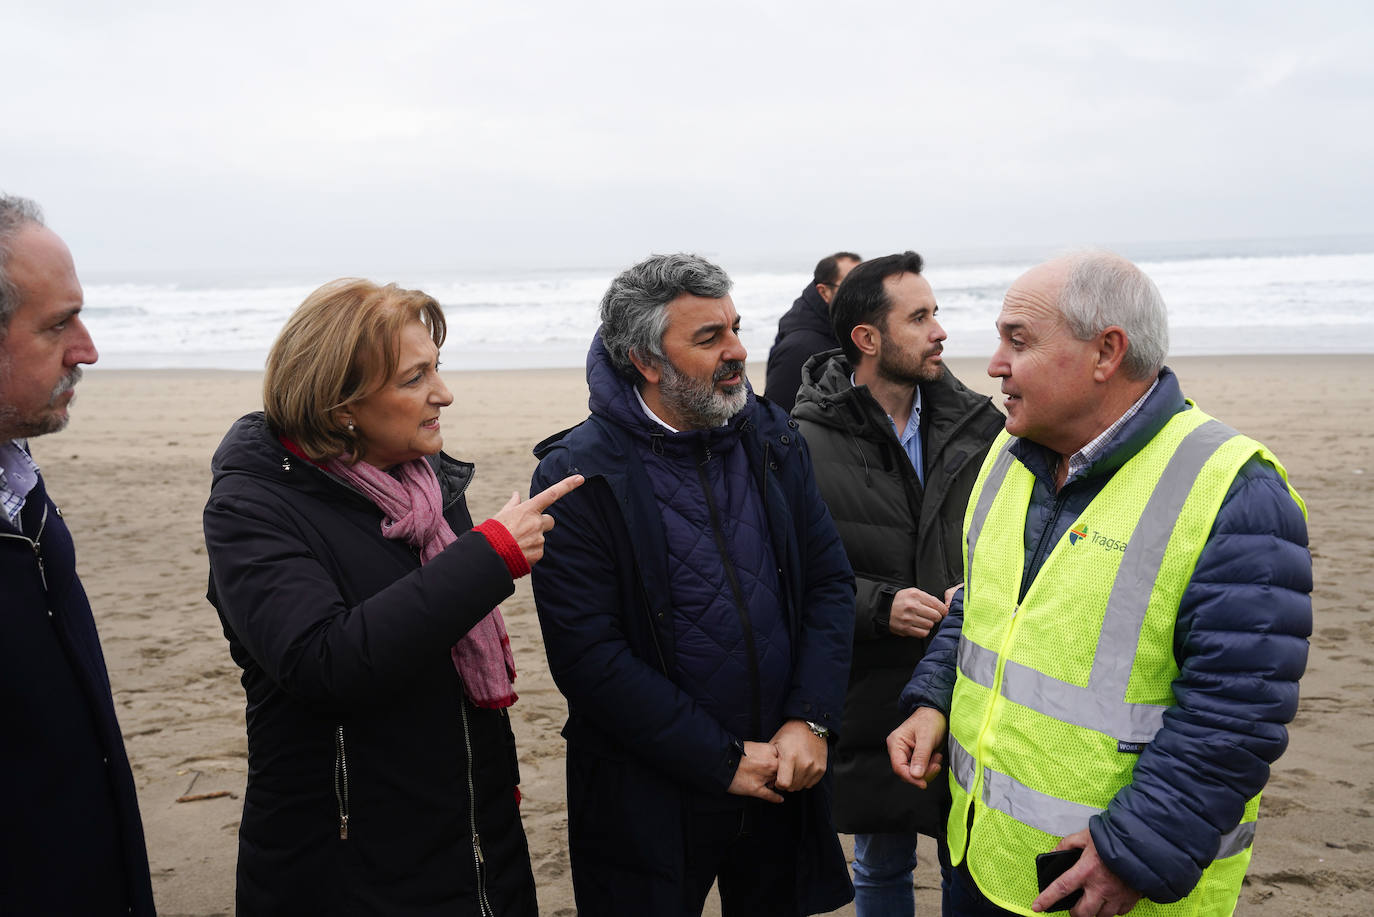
{"x": 18, "y": 476}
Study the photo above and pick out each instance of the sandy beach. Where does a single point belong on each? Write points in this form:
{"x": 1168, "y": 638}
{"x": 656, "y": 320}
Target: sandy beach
{"x": 132, "y": 473}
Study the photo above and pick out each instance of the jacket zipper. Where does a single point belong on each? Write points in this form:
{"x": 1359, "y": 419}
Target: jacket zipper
{"x": 484, "y": 906}
{"x": 767, "y": 451}
{"x": 36, "y": 545}
{"x": 1040, "y": 548}
{"x": 755, "y": 692}
{"x": 994, "y": 697}
{"x": 341, "y": 782}
{"x": 784, "y": 586}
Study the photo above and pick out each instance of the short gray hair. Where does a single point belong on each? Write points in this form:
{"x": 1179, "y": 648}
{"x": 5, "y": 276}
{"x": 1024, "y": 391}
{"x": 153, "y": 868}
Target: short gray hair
{"x": 15, "y": 214}
{"x": 634, "y": 312}
{"x": 1105, "y": 289}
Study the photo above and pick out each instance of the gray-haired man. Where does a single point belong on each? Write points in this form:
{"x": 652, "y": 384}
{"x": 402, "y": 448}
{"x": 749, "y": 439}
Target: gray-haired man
{"x": 72, "y": 841}
{"x": 1115, "y": 675}
{"x": 697, "y": 610}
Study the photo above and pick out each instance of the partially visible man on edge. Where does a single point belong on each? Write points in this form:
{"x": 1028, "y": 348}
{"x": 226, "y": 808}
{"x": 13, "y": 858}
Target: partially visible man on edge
{"x": 897, "y": 442}
{"x": 697, "y": 610}
{"x": 72, "y": 836}
{"x": 805, "y": 329}
{"x": 1119, "y": 667}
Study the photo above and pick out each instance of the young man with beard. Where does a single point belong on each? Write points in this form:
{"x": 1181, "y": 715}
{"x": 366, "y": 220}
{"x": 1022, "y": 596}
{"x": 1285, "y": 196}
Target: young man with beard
{"x": 697, "y": 609}
{"x": 72, "y": 839}
{"x": 897, "y": 443}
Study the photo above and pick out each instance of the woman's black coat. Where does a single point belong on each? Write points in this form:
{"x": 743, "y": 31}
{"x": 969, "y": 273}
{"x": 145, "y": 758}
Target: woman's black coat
{"x": 372, "y": 779}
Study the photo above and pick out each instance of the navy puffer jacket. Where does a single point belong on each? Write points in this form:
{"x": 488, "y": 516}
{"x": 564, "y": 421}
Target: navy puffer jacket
{"x": 729, "y": 631}
{"x": 1241, "y": 646}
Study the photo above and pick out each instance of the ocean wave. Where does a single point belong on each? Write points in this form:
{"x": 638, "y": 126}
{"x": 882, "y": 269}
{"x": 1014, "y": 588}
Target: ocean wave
{"x": 1277, "y": 302}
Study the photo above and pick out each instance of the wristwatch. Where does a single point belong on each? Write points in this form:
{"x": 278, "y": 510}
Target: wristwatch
{"x": 818, "y": 729}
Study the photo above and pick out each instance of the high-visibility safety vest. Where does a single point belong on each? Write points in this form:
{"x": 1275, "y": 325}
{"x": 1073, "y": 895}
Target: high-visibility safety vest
{"x": 1056, "y": 695}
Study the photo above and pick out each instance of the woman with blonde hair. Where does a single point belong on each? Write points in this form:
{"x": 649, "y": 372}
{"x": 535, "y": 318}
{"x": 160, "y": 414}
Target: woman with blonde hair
{"x": 361, "y": 603}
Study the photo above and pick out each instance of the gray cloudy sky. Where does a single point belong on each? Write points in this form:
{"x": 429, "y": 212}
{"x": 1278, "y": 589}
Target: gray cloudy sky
{"x": 400, "y": 133}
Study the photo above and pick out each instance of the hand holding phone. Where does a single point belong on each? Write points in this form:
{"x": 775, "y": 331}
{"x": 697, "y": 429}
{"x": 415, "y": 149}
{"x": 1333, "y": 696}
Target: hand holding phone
{"x": 1096, "y": 889}
{"x": 1052, "y": 865}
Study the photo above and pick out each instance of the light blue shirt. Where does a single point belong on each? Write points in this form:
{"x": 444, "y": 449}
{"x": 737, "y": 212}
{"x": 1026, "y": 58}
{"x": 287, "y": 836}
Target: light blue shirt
{"x": 910, "y": 438}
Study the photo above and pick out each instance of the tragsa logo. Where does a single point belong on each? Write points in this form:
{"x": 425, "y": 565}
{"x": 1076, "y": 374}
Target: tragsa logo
{"x": 1077, "y": 533}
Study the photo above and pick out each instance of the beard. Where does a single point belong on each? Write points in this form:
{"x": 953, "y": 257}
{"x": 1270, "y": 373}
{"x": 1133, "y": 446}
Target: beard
{"x": 15, "y": 426}
{"x": 697, "y": 402}
{"x": 902, "y": 367}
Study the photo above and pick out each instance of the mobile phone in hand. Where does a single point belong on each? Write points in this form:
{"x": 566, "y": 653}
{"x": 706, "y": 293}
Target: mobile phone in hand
{"x": 1052, "y": 865}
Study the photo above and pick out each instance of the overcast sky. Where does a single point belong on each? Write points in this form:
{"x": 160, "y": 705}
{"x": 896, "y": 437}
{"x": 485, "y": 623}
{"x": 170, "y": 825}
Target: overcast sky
{"x": 355, "y": 137}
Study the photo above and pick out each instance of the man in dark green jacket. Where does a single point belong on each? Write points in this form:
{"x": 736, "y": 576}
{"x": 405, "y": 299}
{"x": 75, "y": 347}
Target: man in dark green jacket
{"x": 897, "y": 442}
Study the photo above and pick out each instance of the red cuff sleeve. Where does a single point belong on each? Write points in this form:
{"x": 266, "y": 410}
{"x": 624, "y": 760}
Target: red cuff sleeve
{"x": 501, "y": 541}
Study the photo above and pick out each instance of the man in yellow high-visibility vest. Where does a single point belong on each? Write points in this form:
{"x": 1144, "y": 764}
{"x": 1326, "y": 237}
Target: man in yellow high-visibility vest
{"x": 1114, "y": 677}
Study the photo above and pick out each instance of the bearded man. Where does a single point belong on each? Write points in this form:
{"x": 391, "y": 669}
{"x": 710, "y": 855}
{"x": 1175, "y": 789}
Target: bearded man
{"x": 697, "y": 610}
{"x": 897, "y": 443}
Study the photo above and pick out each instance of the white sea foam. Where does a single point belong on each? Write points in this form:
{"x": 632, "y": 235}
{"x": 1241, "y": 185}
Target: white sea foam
{"x": 1255, "y": 303}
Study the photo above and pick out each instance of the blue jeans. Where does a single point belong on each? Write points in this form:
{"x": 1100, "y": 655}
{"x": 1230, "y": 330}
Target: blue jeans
{"x": 883, "y": 864}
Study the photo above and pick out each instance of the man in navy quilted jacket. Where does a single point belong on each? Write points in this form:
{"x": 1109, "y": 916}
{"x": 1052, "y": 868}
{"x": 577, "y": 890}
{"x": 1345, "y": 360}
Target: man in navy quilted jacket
{"x": 71, "y": 841}
{"x": 697, "y": 610}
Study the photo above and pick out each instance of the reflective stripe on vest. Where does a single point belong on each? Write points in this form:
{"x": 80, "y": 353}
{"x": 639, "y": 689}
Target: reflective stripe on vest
{"x": 1059, "y": 691}
{"x": 1051, "y": 815}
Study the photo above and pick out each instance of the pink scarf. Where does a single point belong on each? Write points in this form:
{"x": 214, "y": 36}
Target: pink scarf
{"x": 412, "y": 511}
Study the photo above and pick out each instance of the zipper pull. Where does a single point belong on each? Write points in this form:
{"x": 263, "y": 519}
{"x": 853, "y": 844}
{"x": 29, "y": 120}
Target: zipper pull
{"x": 42, "y": 570}
{"x": 1014, "y": 611}
{"x": 477, "y": 847}
{"x": 343, "y": 827}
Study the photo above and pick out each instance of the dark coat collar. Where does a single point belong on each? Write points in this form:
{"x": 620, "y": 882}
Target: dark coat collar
{"x": 251, "y": 447}
{"x": 829, "y": 399}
